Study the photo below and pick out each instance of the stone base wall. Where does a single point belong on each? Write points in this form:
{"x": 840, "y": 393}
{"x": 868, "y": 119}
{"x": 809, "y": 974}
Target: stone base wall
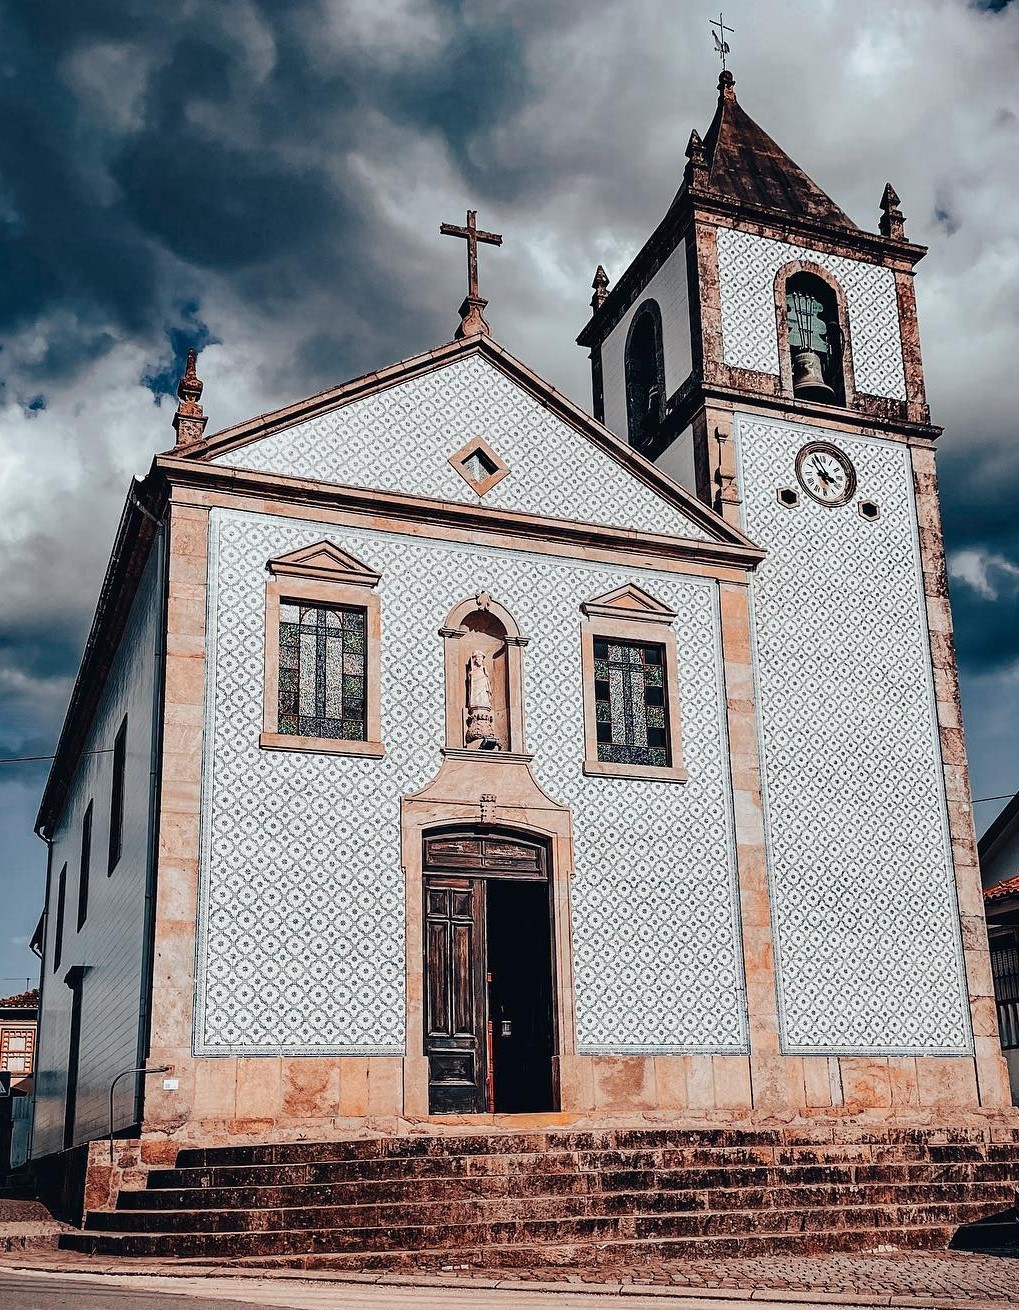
{"x": 226, "y": 1099}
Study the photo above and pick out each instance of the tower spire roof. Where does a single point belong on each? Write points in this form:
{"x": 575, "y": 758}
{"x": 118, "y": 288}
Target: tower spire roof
{"x": 745, "y": 165}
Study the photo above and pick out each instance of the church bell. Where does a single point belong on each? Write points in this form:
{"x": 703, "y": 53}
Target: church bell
{"x": 808, "y": 379}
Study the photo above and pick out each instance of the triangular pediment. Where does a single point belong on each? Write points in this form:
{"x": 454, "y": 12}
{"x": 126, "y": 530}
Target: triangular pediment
{"x": 397, "y": 434}
{"x": 326, "y": 561}
{"x": 629, "y": 601}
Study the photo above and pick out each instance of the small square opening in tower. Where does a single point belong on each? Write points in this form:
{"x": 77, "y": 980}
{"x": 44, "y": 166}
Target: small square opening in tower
{"x": 479, "y": 465}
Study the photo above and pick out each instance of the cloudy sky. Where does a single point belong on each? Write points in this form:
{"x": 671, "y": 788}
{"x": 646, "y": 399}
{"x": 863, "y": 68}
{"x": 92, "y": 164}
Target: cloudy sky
{"x": 265, "y": 179}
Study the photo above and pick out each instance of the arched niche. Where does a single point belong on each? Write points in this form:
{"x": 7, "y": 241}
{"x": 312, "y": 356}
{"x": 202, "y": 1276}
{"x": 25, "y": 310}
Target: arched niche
{"x": 484, "y": 677}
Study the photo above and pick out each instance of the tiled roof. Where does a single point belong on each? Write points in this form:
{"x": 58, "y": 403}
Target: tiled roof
{"x": 21, "y": 1000}
{"x": 1000, "y": 891}
{"x": 746, "y": 165}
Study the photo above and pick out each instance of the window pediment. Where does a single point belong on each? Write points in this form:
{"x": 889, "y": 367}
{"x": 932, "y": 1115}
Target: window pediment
{"x": 324, "y": 561}
{"x": 629, "y": 602}
{"x": 632, "y": 711}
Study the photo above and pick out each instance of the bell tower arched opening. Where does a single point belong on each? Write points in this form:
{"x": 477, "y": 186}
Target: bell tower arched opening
{"x": 814, "y": 339}
{"x": 644, "y": 363}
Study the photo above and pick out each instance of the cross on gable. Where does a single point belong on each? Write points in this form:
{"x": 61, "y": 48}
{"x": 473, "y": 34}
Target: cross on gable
{"x": 472, "y": 319}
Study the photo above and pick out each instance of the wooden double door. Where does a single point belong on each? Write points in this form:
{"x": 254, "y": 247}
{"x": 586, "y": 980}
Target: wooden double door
{"x": 489, "y": 987}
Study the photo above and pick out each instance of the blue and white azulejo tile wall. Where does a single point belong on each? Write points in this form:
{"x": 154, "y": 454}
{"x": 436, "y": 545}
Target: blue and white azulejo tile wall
{"x": 863, "y": 893}
{"x": 301, "y": 935}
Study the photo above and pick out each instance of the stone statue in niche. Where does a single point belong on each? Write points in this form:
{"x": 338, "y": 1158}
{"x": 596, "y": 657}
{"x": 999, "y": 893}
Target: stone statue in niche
{"x": 480, "y": 732}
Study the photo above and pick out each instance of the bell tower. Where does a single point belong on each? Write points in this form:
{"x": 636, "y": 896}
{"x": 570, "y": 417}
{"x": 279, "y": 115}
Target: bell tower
{"x": 763, "y": 350}
{"x": 755, "y": 289}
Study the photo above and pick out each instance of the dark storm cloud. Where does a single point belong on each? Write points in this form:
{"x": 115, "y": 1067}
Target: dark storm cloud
{"x": 982, "y": 527}
{"x": 57, "y": 245}
{"x": 235, "y": 162}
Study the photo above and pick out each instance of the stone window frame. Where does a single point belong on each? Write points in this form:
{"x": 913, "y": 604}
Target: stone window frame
{"x": 631, "y": 614}
{"x": 324, "y": 575}
{"x": 785, "y": 360}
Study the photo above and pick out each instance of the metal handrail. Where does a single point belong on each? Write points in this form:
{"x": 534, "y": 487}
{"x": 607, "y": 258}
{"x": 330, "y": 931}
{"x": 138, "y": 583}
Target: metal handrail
{"x": 124, "y": 1073}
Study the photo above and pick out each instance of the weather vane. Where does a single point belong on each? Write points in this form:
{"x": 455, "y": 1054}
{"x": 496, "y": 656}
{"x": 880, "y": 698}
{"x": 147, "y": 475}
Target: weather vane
{"x": 721, "y": 44}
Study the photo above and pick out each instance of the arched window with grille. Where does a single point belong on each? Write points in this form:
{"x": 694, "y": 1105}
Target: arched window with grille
{"x": 816, "y": 338}
{"x": 645, "y": 375}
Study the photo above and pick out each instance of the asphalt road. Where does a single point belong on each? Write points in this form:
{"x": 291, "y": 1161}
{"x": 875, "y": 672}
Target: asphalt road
{"x": 46, "y": 1291}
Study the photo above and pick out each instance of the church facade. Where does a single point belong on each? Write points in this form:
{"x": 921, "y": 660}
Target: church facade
{"x": 445, "y": 755}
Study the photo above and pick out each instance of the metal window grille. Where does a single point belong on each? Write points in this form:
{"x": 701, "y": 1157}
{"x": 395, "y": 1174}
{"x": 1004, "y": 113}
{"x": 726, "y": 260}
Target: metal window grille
{"x": 1005, "y": 972}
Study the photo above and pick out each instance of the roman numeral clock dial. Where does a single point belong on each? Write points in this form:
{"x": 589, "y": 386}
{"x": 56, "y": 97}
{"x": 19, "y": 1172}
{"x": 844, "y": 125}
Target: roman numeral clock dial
{"x": 825, "y": 473}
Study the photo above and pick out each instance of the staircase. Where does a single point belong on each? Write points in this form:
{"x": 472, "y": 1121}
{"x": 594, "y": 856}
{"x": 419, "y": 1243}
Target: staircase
{"x": 505, "y": 1199}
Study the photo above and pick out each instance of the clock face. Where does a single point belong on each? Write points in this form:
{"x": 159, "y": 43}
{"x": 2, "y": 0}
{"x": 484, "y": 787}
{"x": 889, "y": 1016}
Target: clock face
{"x": 825, "y": 473}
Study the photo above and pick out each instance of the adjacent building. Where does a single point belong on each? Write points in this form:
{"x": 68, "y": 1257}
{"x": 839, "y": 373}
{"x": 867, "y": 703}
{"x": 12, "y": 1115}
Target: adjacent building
{"x": 999, "y": 868}
{"x": 19, "y": 1016}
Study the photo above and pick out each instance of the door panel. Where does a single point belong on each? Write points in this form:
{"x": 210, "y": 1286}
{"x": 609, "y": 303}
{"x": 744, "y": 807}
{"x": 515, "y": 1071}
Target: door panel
{"x": 455, "y": 1019}
{"x": 438, "y": 972}
{"x": 463, "y": 978}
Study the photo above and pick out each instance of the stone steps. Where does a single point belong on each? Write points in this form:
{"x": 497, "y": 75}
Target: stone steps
{"x": 427, "y": 1214}
{"x": 474, "y": 1198}
{"x": 996, "y": 1165}
{"x": 842, "y": 1139}
{"x": 556, "y": 1231}
{"x": 405, "y": 1196}
{"x": 614, "y": 1253}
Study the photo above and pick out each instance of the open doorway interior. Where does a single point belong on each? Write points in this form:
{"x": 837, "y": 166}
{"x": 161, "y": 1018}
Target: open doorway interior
{"x": 519, "y": 977}
{"x": 489, "y": 983}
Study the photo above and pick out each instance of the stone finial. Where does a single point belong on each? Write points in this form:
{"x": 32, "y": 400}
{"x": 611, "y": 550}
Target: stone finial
{"x": 190, "y": 419}
{"x": 697, "y": 164}
{"x": 727, "y": 85}
{"x": 601, "y": 288}
{"x": 892, "y": 224}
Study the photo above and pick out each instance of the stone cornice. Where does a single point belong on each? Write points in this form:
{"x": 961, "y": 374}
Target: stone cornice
{"x": 282, "y": 491}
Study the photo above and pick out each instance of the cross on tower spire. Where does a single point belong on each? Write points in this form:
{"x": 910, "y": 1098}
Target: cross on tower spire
{"x": 472, "y": 318}
{"x": 721, "y": 44}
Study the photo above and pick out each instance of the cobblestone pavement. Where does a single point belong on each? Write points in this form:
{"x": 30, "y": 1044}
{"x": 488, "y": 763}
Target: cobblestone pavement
{"x": 958, "y": 1275}
{"x": 930, "y": 1279}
